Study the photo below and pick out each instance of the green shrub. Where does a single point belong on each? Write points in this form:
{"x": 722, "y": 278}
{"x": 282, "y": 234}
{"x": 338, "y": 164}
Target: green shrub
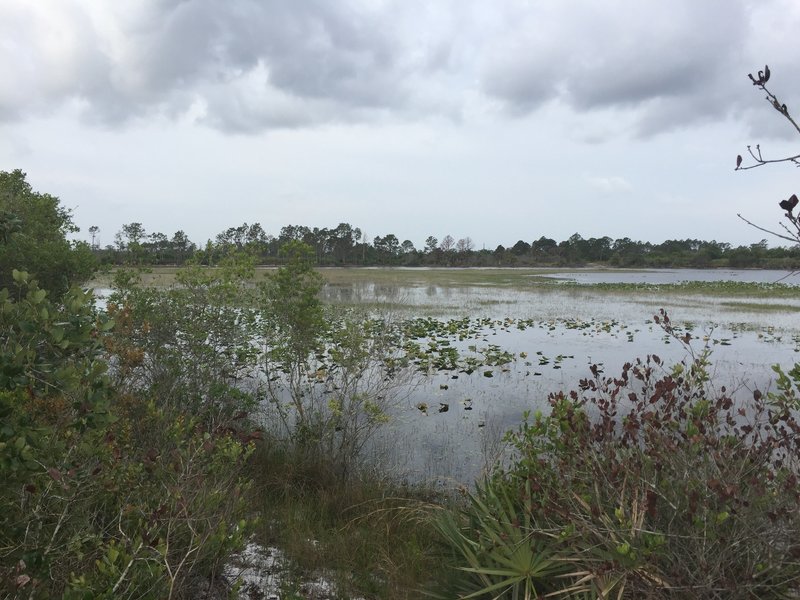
{"x": 331, "y": 377}
{"x": 190, "y": 347}
{"x": 651, "y": 484}
{"x": 105, "y": 494}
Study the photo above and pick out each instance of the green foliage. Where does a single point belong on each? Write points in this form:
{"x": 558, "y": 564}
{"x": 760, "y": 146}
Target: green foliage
{"x": 51, "y": 375}
{"x": 105, "y": 494}
{"x": 787, "y": 397}
{"x": 191, "y": 346}
{"x": 178, "y": 500}
{"x": 650, "y": 484}
{"x": 33, "y": 229}
{"x": 331, "y": 377}
{"x": 54, "y": 405}
{"x": 502, "y": 551}
{"x": 293, "y": 308}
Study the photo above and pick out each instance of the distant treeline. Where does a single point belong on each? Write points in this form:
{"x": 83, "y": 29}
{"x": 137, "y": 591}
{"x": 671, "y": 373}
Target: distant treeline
{"x": 345, "y": 245}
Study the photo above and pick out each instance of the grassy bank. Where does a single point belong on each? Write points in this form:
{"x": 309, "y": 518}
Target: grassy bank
{"x": 369, "y": 536}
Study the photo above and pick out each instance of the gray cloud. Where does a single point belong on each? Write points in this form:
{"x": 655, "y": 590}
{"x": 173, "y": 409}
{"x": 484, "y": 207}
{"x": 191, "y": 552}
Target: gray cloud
{"x": 249, "y": 65}
{"x": 670, "y": 64}
{"x": 46, "y": 55}
{"x": 310, "y": 49}
{"x": 329, "y": 58}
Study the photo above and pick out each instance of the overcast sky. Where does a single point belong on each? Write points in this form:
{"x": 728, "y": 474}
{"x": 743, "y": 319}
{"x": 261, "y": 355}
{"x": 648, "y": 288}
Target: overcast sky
{"x": 499, "y": 120}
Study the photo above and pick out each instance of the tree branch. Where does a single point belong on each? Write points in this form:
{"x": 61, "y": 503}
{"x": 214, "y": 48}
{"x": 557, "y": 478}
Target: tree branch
{"x": 760, "y": 161}
{"x": 785, "y": 237}
{"x": 777, "y": 105}
{"x": 761, "y": 83}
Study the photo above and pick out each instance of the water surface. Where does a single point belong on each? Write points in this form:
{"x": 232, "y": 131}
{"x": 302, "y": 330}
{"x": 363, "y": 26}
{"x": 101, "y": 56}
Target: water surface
{"x": 573, "y": 327}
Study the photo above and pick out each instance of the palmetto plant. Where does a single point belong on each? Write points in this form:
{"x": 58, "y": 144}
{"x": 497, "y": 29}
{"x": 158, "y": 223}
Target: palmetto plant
{"x": 506, "y": 554}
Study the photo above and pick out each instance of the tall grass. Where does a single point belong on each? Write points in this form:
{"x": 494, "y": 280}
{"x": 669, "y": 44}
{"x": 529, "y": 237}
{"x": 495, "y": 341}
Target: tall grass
{"x": 372, "y": 537}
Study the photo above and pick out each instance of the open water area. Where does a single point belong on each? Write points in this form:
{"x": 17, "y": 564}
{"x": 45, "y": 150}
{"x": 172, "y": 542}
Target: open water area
{"x": 521, "y": 335}
{"x": 450, "y": 426}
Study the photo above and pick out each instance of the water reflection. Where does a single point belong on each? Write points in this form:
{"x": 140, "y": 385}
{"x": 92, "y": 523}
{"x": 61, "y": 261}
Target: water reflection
{"x": 583, "y": 303}
{"x": 661, "y": 276}
{"x": 746, "y": 336}
{"x": 383, "y": 291}
{"x": 460, "y": 443}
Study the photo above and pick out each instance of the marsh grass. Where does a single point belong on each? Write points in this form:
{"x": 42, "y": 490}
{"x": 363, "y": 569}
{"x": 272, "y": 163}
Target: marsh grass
{"x": 760, "y": 307}
{"x": 747, "y": 289}
{"x": 370, "y": 537}
{"x": 509, "y": 278}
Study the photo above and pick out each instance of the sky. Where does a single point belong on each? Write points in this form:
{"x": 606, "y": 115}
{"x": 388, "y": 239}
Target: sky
{"x": 500, "y": 121}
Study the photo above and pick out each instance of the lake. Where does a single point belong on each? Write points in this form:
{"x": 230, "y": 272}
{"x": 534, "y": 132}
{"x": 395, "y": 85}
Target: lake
{"x": 555, "y": 330}
{"x": 554, "y": 324}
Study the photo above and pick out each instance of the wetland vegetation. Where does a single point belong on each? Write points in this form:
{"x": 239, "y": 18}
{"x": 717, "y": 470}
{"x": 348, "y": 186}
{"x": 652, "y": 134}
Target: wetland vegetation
{"x": 463, "y": 431}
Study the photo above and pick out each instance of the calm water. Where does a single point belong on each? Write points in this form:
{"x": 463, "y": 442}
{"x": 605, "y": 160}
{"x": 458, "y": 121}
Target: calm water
{"x": 570, "y": 328}
{"x": 746, "y": 336}
{"x": 553, "y": 302}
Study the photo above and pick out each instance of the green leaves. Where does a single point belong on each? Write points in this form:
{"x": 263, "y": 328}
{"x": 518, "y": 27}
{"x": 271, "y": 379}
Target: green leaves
{"x": 502, "y": 548}
{"x": 48, "y": 346}
{"x": 95, "y": 507}
{"x": 645, "y": 471}
{"x": 33, "y": 228}
{"x": 291, "y": 307}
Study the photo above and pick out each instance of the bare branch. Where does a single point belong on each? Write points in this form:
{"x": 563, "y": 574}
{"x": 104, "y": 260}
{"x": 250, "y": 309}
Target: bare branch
{"x": 779, "y": 106}
{"x": 785, "y": 237}
{"x": 760, "y": 161}
{"x": 124, "y": 573}
{"x": 792, "y": 233}
{"x": 774, "y": 102}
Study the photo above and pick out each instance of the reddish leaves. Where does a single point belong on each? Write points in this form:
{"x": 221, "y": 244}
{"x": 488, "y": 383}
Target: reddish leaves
{"x": 652, "y": 497}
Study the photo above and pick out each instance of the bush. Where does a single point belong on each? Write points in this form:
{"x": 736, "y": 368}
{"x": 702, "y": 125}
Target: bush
{"x": 650, "y": 484}
{"x": 191, "y": 347}
{"x": 331, "y": 377}
{"x": 105, "y": 494}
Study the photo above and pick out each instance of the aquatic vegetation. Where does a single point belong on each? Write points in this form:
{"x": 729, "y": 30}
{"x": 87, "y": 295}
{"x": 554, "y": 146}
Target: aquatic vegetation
{"x": 645, "y": 484}
{"x": 707, "y": 288}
